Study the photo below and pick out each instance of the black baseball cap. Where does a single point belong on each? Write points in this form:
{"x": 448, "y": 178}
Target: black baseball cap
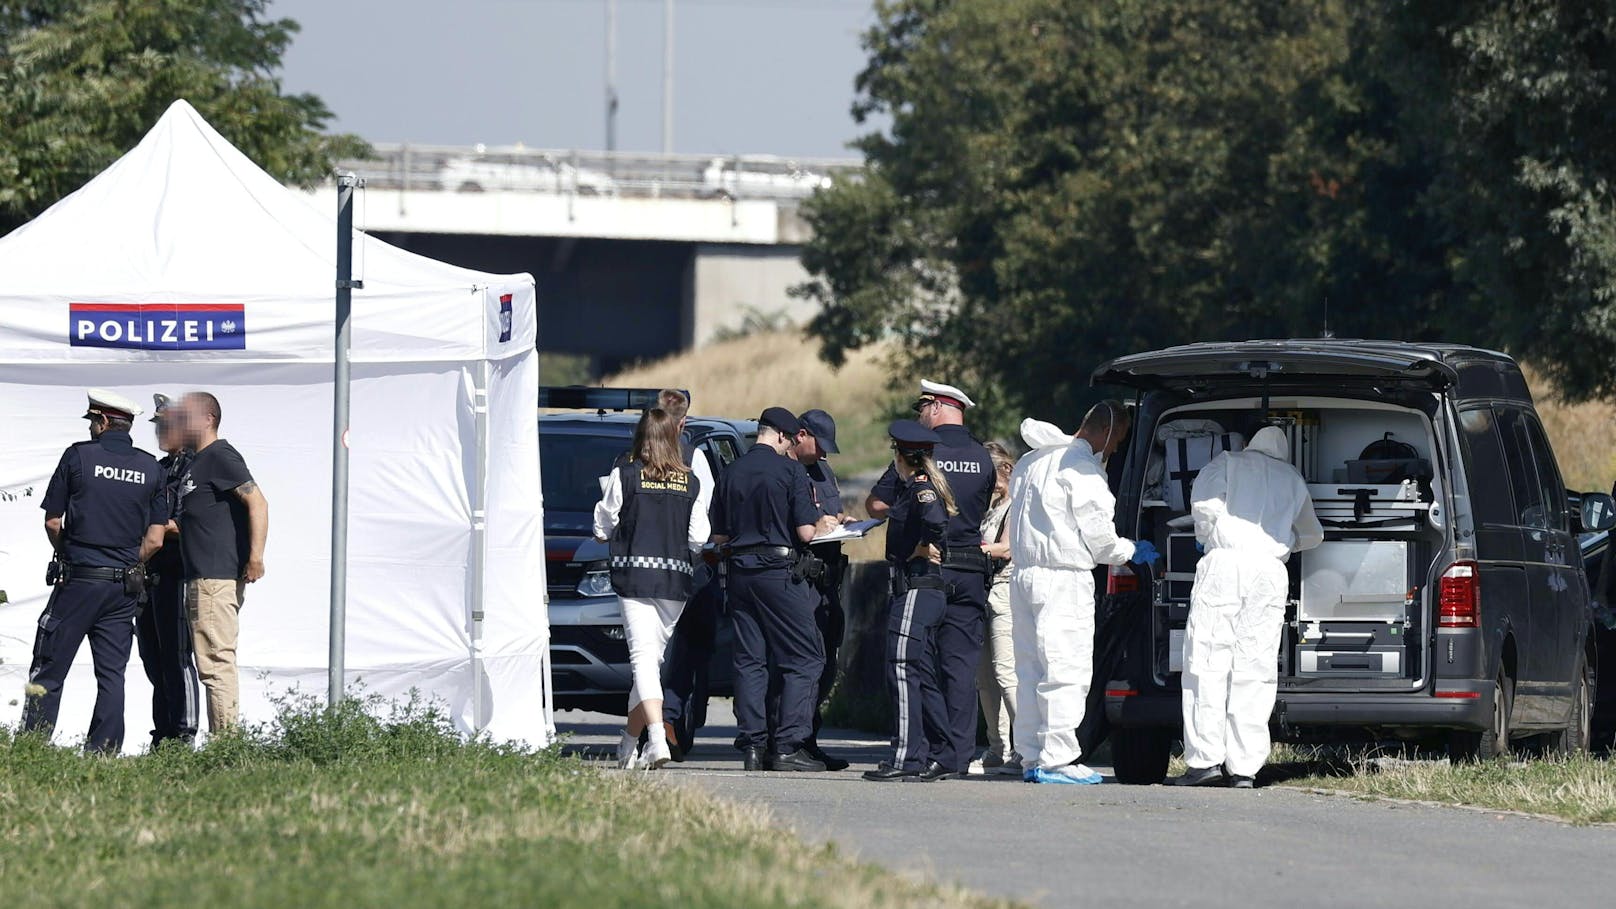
{"x": 781, "y": 419}
{"x": 160, "y": 404}
{"x": 820, "y": 425}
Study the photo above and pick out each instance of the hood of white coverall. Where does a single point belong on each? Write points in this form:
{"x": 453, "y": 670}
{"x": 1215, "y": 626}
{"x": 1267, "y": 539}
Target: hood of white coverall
{"x": 1254, "y": 501}
{"x": 1038, "y": 434}
{"x": 1271, "y": 441}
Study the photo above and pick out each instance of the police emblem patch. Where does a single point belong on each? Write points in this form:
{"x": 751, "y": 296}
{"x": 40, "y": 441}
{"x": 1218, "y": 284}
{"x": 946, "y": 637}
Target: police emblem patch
{"x": 926, "y": 497}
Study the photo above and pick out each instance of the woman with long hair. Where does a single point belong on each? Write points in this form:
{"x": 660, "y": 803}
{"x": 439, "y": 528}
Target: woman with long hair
{"x": 916, "y": 528}
{"x": 996, "y": 676}
{"x": 653, "y": 515}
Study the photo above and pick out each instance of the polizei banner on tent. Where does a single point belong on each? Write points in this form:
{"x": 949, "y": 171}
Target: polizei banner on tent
{"x": 158, "y": 326}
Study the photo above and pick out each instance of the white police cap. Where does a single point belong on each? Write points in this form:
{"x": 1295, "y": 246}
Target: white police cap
{"x": 112, "y": 404}
{"x": 948, "y": 394}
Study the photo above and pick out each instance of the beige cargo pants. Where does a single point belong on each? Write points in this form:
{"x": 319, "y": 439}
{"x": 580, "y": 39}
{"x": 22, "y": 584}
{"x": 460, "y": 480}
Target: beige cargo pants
{"x": 215, "y": 613}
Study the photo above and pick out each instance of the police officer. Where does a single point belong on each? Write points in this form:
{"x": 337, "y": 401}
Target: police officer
{"x": 104, "y": 514}
{"x": 966, "y": 464}
{"x": 916, "y": 534}
{"x": 162, "y": 630}
{"x": 763, "y": 515}
{"x": 690, "y": 649}
{"x": 814, "y": 442}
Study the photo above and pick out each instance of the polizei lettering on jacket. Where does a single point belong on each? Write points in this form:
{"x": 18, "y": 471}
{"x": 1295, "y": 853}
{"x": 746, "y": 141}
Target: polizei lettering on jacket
{"x": 960, "y": 467}
{"x": 158, "y": 326}
{"x": 121, "y": 474}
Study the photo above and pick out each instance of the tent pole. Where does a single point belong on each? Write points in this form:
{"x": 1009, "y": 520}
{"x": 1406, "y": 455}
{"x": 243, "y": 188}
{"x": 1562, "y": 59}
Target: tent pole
{"x": 339, "y": 434}
{"x": 479, "y": 540}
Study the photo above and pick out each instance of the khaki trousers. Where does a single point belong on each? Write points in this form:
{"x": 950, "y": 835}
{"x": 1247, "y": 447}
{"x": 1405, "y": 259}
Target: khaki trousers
{"x": 996, "y": 676}
{"x": 215, "y": 611}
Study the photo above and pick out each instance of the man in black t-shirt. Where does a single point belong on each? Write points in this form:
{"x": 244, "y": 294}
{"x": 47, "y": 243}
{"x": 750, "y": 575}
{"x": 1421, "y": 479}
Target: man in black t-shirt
{"x": 224, "y": 521}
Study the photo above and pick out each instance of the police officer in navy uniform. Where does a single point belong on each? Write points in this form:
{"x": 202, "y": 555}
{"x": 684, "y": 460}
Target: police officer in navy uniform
{"x": 917, "y": 531}
{"x": 763, "y": 515}
{"x": 966, "y": 464}
{"x": 816, "y": 439}
{"x": 162, "y": 631}
{"x": 105, "y": 514}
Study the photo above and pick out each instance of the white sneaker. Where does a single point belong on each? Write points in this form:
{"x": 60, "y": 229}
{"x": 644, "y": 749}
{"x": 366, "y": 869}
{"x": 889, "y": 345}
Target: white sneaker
{"x": 628, "y": 754}
{"x": 976, "y": 768}
{"x": 656, "y": 754}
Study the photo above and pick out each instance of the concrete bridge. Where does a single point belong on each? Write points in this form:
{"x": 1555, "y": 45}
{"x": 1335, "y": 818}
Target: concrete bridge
{"x": 635, "y": 255}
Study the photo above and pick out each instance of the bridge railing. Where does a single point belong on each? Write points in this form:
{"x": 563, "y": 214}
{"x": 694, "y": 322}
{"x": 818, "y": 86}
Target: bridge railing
{"x": 482, "y": 168}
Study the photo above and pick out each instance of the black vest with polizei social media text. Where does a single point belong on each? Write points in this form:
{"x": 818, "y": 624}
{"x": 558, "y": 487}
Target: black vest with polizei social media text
{"x": 650, "y": 549}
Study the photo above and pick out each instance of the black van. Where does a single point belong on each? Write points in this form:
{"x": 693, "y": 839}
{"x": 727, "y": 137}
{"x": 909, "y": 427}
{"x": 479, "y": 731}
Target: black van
{"x": 1448, "y": 603}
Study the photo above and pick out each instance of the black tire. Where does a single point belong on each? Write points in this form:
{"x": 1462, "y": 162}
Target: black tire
{"x": 1140, "y": 756}
{"x": 1577, "y": 737}
{"x": 1466, "y": 746}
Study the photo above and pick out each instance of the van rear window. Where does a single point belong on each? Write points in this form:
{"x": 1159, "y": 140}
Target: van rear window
{"x": 1486, "y": 468}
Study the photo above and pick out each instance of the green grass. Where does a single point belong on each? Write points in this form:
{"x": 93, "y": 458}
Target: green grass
{"x": 1580, "y": 789}
{"x": 354, "y": 808}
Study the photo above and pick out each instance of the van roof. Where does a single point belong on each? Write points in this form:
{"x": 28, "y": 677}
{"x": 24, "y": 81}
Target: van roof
{"x": 1473, "y": 371}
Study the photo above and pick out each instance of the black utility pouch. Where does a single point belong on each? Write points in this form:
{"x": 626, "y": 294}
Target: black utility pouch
{"x": 134, "y": 582}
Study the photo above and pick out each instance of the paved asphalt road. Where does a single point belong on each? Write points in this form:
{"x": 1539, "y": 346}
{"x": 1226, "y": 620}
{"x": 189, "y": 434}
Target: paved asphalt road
{"x": 1124, "y": 846}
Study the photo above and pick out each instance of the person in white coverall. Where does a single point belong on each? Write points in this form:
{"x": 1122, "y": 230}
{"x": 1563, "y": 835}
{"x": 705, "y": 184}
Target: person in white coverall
{"x": 1061, "y": 527}
{"x": 1252, "y": 510}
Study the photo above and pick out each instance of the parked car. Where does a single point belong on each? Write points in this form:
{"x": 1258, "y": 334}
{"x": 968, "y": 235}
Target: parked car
{"x": 1596, "y": 548}
{"x": 1447, "y": 605}
{"x": 588, "y": 648}
{"x": 522, "y": 173}
{"x": 731, "y": 178}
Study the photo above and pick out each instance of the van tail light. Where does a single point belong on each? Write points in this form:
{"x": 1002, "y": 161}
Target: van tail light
{"x": 1460, "y": 596}
{"x": 1121, "y": 579}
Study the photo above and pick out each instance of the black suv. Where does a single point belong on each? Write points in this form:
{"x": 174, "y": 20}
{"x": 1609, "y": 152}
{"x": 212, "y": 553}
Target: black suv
{"x": 588, "y": 649}
{"x": 1449, "y": 603}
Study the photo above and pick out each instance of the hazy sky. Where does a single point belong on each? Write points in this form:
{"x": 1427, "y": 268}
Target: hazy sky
{"x": 751, "y": 76}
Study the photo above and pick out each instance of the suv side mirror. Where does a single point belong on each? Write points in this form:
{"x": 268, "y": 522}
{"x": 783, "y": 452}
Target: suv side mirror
{"x": 1597, "y": 512}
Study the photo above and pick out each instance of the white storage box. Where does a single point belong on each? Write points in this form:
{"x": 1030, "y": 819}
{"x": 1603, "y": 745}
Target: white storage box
{"x": 1356, "y": 581}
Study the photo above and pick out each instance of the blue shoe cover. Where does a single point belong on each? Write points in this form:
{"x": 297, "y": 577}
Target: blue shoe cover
{"x": 1061, "y": 776}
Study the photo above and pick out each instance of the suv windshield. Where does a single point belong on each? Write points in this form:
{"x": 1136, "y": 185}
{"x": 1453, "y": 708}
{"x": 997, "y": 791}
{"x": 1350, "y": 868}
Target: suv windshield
{"x": 573, "y": 465}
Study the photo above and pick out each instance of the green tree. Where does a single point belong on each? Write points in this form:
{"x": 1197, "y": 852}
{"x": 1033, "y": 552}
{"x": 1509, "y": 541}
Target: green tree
{"x": 1063, "y": 181}
{"x": 82, "y": 80}
{"x": 1518, "y": 100}
{"x": 1067, "y": 180}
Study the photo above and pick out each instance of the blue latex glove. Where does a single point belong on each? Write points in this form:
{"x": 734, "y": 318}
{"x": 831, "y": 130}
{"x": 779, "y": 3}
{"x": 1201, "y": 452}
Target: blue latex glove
{"x": 1200, "y": 547}
{"x": 1144, "y": 553}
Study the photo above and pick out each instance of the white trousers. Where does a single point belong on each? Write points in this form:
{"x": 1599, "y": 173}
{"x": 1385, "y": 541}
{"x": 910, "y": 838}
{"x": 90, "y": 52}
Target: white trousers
{"x": 1231, "y": 660}
{"x": 1052, "y": 624}
{"x": 996, "y": 675}
{"x": 648, "y": 624}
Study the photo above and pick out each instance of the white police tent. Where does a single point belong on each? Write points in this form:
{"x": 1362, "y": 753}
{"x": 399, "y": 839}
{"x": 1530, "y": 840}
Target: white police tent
{"x": 184, "y": 266}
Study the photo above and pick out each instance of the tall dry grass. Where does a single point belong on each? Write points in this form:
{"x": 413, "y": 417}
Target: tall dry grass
{"x": 739, "y": 378}
{"x": 1583, "y": 435}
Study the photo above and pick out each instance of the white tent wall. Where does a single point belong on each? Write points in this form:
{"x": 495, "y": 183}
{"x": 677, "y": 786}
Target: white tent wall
{"x": 410, "y": 538}
{"x": 516, "y": 631}
{"x": 185, "y": 220}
